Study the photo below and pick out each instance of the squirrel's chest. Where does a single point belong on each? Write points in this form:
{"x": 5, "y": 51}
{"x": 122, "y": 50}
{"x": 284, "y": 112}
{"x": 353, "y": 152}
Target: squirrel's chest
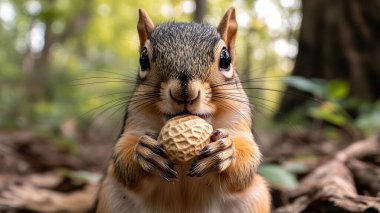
{"x": 187, "y": 193}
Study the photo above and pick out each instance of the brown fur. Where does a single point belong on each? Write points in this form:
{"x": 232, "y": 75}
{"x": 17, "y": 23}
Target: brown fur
{"x": 228, "y": 29}
{"x": 144, "y": 27}
{"x": 184, "y": 65}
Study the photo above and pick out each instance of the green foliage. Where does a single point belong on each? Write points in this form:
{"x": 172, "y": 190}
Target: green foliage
{"x": 369, "y": 118}
{"x": 329, "y": 112}
{"x": 278, "y": 176}
{"x": 80, "y": 176}
{"x": 332, "y": 90}
{"x": 312, "y": 86}
{"x": 336, "y": 102}
{"x": 337, "y": 90}
{"x": 295, "y": 167}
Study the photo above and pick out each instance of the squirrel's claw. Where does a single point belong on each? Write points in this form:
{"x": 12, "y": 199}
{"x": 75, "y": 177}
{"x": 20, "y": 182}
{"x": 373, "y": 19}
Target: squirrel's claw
{"x": 153, "y": 159}
{"x": 215, "y": 157}
{"x": 219, "y": 134}
{"x": 152, "y": 134}
{"x": 199, "y": 170}
{"x": 214, "y": 147}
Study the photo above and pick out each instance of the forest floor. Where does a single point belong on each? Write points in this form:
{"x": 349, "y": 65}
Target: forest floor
{"x": 36, "y": 175}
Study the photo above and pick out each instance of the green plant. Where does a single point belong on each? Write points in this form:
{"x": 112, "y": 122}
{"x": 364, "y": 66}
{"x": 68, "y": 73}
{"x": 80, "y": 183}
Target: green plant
{"x": 335, "y": 103}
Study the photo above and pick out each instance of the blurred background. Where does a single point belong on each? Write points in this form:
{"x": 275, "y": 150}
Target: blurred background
{"x": 65, "y": 67}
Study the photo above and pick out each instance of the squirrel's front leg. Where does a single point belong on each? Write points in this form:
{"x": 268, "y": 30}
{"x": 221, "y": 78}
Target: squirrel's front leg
{"x": 236, "y": 159}
{"x": 136, "y": 158}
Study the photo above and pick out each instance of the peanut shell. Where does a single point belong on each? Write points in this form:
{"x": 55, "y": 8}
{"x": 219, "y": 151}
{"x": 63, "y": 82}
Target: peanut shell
{"x": 183, "y": 137}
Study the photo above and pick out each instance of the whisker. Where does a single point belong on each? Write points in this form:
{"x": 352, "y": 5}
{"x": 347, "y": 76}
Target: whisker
{"x": 76, "y": 82}
{"x": 243, "y": 100}
{"x": 231, "y": 107}
{"x": 133, "y": 75}
{"x": 128, "y": 93}
{"x": 276, "y": 90}
{"x": 114, "y": 93}
{"x": 123, "y": 102}
{"x": 100, "y": 82}
{"x": 142, "y": 97}
{"x": 109, "y": 102}
{"x": 257, "y": 79}
{"x": 100, "y": 77}
{"x": 249, "y": 97}
{"x": 110, "y": 107}
{"x": 119, "y": 106}
{"x": 137, "y": 101}
{"x": 140, "y": 107}
{"x": 255, "y": 107}
{"x": 238, "y": 99}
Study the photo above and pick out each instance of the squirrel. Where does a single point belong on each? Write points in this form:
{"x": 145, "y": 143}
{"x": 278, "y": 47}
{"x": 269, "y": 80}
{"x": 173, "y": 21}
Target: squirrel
{"x": 186, "y": 68}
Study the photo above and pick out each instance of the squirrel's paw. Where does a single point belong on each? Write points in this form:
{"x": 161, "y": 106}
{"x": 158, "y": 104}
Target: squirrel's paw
{"x": 153, "y": 159}
{"x": 217, "y": 156}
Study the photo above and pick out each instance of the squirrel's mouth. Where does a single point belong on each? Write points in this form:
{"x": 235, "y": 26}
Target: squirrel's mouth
{"x": 204, "y": 116}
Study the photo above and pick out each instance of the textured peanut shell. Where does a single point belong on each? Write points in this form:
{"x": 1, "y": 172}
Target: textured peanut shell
{"x": 183, "y": 137}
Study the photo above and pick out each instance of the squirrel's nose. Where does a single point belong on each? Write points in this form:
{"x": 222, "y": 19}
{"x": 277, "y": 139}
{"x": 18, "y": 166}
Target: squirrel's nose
{"x": 190, "y": 99}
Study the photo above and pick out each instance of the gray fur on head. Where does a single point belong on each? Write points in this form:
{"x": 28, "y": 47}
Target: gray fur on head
{"x": 184, "y": 49}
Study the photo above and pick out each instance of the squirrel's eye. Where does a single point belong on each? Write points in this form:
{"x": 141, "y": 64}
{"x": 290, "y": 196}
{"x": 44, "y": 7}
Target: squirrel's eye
{"x": 144, "y": 60}
{"x": 225, "y": 60}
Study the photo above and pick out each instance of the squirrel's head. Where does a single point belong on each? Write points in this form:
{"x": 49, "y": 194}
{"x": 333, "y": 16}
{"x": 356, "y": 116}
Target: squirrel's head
{"x": 191, "y": 66}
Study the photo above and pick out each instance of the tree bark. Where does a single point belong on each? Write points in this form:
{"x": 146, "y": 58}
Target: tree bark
{"x": 339, "y": 39}
{"x": 200, "y": 10}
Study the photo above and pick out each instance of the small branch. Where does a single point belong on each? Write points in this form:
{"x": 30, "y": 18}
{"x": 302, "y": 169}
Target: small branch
{"x": 332, "y": 185}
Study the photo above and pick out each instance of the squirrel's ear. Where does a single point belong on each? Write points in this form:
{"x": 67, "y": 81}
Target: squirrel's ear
{"x": 228, "y": 28}
{"x": 144, "y": 27}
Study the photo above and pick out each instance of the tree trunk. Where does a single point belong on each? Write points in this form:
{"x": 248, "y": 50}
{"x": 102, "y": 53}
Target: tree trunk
{"x": 200, "y": 10}
{"x": 38, "y": 66}
{"x": 339, "y": 39}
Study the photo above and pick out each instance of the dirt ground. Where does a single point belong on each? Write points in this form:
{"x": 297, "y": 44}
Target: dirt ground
{"x": 36, "y": 175}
